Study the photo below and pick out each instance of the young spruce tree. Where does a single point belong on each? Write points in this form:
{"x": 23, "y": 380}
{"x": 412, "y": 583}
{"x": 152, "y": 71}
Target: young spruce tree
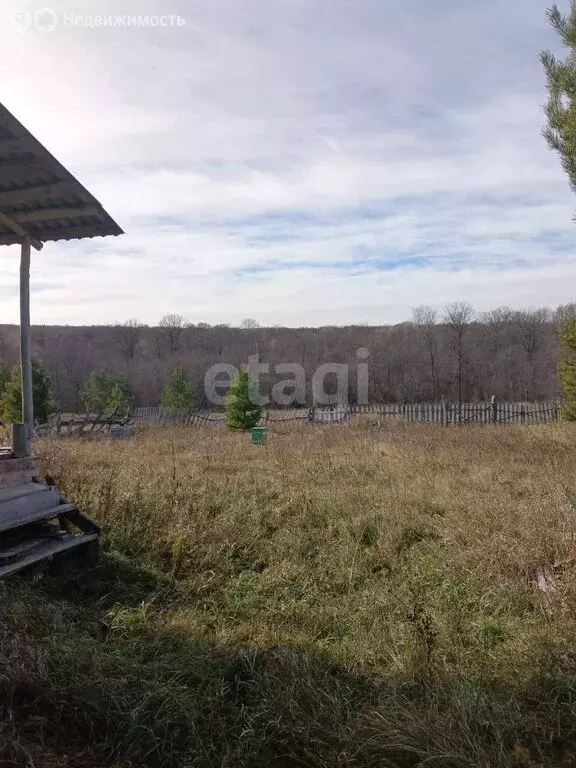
{"x": 241, "y": 412}
{"x": 179, "y": 393}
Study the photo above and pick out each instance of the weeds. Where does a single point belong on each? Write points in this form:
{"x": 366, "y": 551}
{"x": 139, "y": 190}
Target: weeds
{"x": 339, "y": 597}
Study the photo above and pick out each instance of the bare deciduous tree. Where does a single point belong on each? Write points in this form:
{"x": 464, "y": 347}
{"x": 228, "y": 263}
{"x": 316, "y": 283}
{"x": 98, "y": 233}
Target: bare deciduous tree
{"x": 425, "y": 318}
{"x": 531, "y": 327}
{"x": 129, "y": 335}
{"x": 249, "y": 322}
{"x": 171, "y": 327}
{"x": 457, "y": 317}
{"x": 565, "y": 313}
{"x": 505, "y": 354}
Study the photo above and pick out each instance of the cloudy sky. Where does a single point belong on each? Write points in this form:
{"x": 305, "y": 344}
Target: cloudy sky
{"x": 302, "y": 162}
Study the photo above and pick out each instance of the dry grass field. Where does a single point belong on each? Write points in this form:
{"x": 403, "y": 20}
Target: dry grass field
{"x": 343, "y": 596}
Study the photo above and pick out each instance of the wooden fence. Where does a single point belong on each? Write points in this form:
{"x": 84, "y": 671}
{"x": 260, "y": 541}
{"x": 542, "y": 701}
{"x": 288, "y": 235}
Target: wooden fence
{"x": 447, "y": 414}
{"x": 160, "y": 415}
{"x": 467, "y": 413}
{"x": 78, "y": 426}
{"x": 434, "y": 413}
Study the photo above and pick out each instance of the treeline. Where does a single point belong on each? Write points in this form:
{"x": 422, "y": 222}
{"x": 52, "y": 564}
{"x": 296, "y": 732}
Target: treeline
{"x": 453, "y": 353}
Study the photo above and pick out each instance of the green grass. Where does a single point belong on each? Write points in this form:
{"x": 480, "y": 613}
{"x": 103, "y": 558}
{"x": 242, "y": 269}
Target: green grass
{"x": 339, "y": 597}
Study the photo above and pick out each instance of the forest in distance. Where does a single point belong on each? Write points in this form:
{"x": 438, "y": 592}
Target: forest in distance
{"x": 452, "y": 353}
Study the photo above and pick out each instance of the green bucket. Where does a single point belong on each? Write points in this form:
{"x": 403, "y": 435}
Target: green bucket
{"x": 259, "y": 435}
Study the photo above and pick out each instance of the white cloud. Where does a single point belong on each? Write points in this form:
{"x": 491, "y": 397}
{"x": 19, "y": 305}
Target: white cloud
{"x": 304, "y": 162}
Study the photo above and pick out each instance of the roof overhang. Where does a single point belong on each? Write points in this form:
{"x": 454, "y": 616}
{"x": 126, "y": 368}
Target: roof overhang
{"x": 39, "y": 199}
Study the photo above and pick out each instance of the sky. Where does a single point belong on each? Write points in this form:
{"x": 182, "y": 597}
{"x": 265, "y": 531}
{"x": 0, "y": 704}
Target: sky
{"x": 300, "y": 162}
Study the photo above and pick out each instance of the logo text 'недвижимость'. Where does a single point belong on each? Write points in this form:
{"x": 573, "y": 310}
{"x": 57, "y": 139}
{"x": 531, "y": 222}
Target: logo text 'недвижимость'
{"x": 48, "y": 20}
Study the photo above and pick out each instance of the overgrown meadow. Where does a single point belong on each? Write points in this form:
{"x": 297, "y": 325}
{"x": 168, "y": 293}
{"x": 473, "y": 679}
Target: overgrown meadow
{"x": 343, "y": 596}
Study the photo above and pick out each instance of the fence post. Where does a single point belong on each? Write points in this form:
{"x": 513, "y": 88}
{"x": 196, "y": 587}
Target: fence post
{"x": 494, "y": 406}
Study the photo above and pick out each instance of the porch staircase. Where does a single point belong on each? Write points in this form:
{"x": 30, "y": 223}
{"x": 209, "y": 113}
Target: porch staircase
{"x": 36, "y": 524}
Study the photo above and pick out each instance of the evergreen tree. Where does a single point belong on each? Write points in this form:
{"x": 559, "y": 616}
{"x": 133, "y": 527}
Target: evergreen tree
{"x": 4, "y": 379}
{"x": 560, "y": 134}
{"x": 11, "y": 399}
{"x": 241, "y": 411}
{"x": 179, "y": 393}
{"x": 568, "y": 370}
{"x": 107, "y": 395}
{"x": 561, "y": 78}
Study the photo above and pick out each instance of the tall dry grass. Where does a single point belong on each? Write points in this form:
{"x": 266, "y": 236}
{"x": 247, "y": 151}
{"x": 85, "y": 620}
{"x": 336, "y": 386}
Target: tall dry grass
{"x": 342, "y": 596}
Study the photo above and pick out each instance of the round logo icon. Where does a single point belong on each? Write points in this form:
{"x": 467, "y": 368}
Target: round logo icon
{"x": 21, "y": 21}
{"x": 46, "y": 20}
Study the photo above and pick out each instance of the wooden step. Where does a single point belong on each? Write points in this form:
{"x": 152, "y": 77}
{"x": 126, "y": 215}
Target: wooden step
{"x": 24, "y": 502}
{"x": 15, "y": 471}
{"x": 45, "y": 551}
{"x": 23, "y": 541}
{"x": 24, "y": 489}
{"x": 33, "y": 516}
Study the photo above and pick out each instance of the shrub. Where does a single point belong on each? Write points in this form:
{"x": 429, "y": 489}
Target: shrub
{"x": 4, "y": 379}
{"x": 106, "y": 394}
{"x": 568, "y": 370}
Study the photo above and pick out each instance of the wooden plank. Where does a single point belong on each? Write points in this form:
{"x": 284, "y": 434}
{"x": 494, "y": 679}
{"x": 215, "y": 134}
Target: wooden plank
{"x": 79, "y": 519}
{"x": 37, "y": 193}
{"x": 20, "y": 507}
{"x": 70, "y": 233}
{"x": 15, "y": 472}
{"x": 34, "y": 516}
{"x": 27, "y": 426}
{"x": 8, "y": 494}
{"x": 48, "y": 214}
{"x": 45, "y": 552}
{"x": 16, "y": 477}
{"x": 23, "y": 547}
{"x": 7, "y": 167}
{"x": 9, "y": 462}
{"x": 19, "y": 144}
{"x": 19, "y": 230}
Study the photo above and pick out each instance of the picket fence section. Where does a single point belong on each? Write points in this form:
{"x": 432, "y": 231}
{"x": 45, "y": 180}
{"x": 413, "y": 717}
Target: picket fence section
{"x": 467, "y": 413}
{"x": 160, "y": 415}
{"x": 433, "y": 413}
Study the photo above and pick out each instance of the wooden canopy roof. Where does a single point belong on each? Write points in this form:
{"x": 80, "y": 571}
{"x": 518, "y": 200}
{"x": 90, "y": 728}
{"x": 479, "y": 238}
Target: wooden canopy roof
{"x": 39, "y": 198}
